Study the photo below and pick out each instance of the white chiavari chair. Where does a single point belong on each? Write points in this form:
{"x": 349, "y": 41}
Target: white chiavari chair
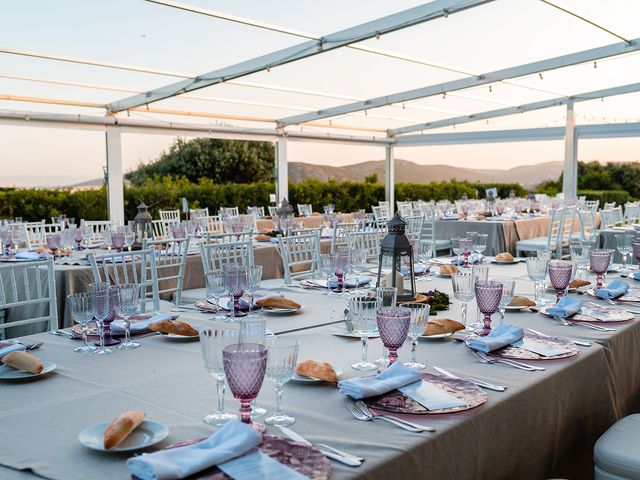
{"x": 632, "y": 213}
{"x": 618, "y": 217}
{"x": 211, "y": 224}
{"x": 170, "y": 215}
{"x": 226, "y": 212}
{"x": 163, "y": 228}
{"x": 609, "y": 205}
{"x": 273, "y": 211}
{"x": 550, "y": 242}
{"x": 367, "y": 240}
{"x": 339, "y": 237}
{"x": 229, "y": 237}
{"x": 97, "y": 229}
{"x": 36, "y": 234}
{"x": 171, "y": 261}
{"x": 196, "y": 213}
{"x": 606, "y": 219}
{"x": 380, "y": 212}
{"x": 305, "y": 209}
{"x": 428, "y": 231}
{"x": 300, "y": 256}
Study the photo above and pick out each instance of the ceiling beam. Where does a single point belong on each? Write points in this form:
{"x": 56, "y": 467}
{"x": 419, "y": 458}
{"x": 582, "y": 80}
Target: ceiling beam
{"x": 528, "y": 107}
{"x": 469, "y": 82}
{"x": 397, "y": 21}
{"x": 490, "y": 136}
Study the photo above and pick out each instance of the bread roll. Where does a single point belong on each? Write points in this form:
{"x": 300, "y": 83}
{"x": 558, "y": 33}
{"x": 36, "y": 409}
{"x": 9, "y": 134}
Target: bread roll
{"x": 578, "y": 283}
{"x": 120, "y": 428}
{"x": 442, "y": 325}
{"x": 321, "y": 370}
{"x": 448, "y": 269}
{"x": 263, "y": 238}
{"x": 277, "y": 302}
{"x": 504, "y": 257}
{"x": 23, "y": 361}
{"x": 173, "y": 326}
{"x": 518, "y": 301}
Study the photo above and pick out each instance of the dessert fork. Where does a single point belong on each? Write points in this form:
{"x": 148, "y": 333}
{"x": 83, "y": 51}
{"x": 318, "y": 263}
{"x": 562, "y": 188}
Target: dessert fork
{"x": 359, "y": 415}
{"x": 484, "y": 358}
{"x": 369, "y": 413}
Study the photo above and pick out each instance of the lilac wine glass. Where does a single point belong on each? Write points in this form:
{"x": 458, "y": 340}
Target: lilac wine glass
{"x": 340, "y": 263}
{"x": 117, "y": 241}
{"x": 635, "y": 244}
{"x": 244, "y": 366}
{"x": 560, "y": 276}
{"x": 236, "y": 282}
{"x": 78, "y": 236}
{"x": 393, "y": 325}
{"x": 53, "y": 242}
{"x": 488, "y": 295}
{"x": 599, "y": 260}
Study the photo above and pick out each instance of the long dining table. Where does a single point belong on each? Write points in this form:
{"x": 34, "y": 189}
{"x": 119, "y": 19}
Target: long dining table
{"x": 544, "y": 425}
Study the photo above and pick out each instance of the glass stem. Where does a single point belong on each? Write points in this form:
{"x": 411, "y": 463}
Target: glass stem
{"x": 624, "y": 262}
{"x": 217, "y": 300}
{"x": 536, "y": 291}
{"x": 414, "y": 348}
{"x": 220, "y": 390}
{"x": 127, "y": 330}
{"x": 364, "y": 339}
{"x": 245, "y": 411}
{"x": 502, "y": 311}
{"x": 463, "y": 313}
{"x": 101, "y": 327}
{"x": 279, "y": 409}
{"x": 250, "y": 304}
{"x": 85, "y": 340}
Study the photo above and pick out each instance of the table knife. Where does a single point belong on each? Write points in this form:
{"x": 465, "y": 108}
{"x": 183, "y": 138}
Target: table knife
{"x": 479, "y": 383}
{"x": 342, "y": 457}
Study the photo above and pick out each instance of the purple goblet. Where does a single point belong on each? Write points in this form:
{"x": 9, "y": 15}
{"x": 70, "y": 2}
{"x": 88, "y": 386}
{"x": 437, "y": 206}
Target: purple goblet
{"x": 244, "y": 366}
{"x": 53, "y": 242}
{"x": 560, "y": 276}
{"x": 488, "y": 295}
{"x": 78, "y": 237}
{"x": 635, "y": 244}
{"x": 236, "y": 283}
{"x": 466, "y": 244}
{"x": 108, "y": 339}
{"x": 179, "y": 232}
{"x": 340, "y": 263}
{"x": 393, "y": 325}
{"x": 599, "y": 260}
{"x": 6, "y": 239}
{"x": 117, "y": 241}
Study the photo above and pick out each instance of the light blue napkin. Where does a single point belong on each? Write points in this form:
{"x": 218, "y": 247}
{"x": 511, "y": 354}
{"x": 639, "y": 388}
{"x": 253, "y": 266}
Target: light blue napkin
{"x": 117, "y": 326}
{"x": 636, "y": 276}
{"x": 258, "y": 466}
{"x": 501, "y": 336}
{"x": 232, "y": 440}
{"x": 474, "y": 258}
{"x": 396, "y": 376}
{"x": 615, "y": 289}
{"x": 566, "y": 307}
{"x": 418, "y": 269}
{"x": 351, "y": 282}
{"x": 26, "y": 255}
{"x": 7, "y": 348}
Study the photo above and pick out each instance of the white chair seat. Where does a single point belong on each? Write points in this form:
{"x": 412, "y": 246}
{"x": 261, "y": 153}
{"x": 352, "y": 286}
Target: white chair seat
{"x": 190, "y": 297}
{"x": 443, "y": 244}
{"x": 534, "y": 244}
{"x": 617, "y": 452}
{"x": 166, "y": 305}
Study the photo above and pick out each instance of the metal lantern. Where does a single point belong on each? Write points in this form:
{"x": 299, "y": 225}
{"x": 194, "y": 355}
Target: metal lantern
{"x": 396, "y": 251}
{"x": 285, "y": 216}
{"x": 143, "y": 223}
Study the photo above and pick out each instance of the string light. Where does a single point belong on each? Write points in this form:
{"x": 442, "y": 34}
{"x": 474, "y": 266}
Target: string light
{"x": 490, "y": 89}
{"x": 595, "y": 64}
{"x": 444, "y": 95}
{"x": 540, "y": 75}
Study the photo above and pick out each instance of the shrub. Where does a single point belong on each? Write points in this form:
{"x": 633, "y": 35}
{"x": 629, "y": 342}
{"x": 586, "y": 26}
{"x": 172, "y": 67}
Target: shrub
{"x": 618, "y": 196}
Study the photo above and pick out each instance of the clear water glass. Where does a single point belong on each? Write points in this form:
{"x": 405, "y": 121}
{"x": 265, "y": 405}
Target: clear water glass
{"x": 282, "y": 357}
{"x": 463, "y": 291}
{"x": 326, "y": 265}
{"x": 216, "y": 287}
{"x": 457, "y": 248}
{"x": 236, "y": 283}
{"x": 82, "y": 311}
{"x": 488, "y": 295}
{"x": 417, "y": 327}
{"x": 425, "y": 253}
{"x": 212, "y": 344}
{"x": 623, "y": 241}
{"x": 357, "y": 265}
{"x": 537, "y": 268}
{"x": 100, "y": 297}
{"x": 254, "y": 278}
{"x": 635, "y": 245}
{"x": 580, "y": 255}
{"x": 363, "y": 317}
{"x": 508, "y": 286}
{"x": 126, "y": 302}
{"x": 480, "y": 244}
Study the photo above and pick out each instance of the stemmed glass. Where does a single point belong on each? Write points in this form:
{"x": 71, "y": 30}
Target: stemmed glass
{"x": 216, "y": 287}
{"x": 419, "y": 320}
{"x": 457, "y": 248}
{"x": 462, "y": 246}
{"x": 340, "y": 264}
{"x": 53, "y": 242}
{"x": 488, "y": 295}
{"x": 254, "y": 277}
{"x": 78, "y": 235}
{"x": 393, "y": 325}
{"x": 253, "y": 330}
{"x": 363, "y": 317}
{"x": 623, "y": 241}
{"x": 282, "y": 357}
{"x": 6, "y": 239}
{"x": 508, "y": 286}
{"x": 244, "y": 366}
{"x": 560, "y": 276}
{"x": 599, "y": 260}
{"x": 326, "y": 264}
{"x": 463, "y": 291}
{"x": 236, "y": 283}
{"x": 537, "y": 270}
{"x": 386, "y": 297}
{"x": 212, "y": 344}
{"x": 480, "y": 245}
{"x": 83, "y": 311}
{"x": 425, "y": 250}
{"x": 129, "y": 237}
{"x": 636, "y": 250}
{"x": 580, "y": 255}
{"x": 117, "y": 240}
{"x": 479, "y": 272}
{"x": 126, "y": 302}
{"x": 357, "y": 265}
{"x": 100, "y": 295}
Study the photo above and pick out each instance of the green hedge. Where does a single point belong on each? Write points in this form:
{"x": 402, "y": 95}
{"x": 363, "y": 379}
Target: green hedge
{"x": 35, "y": 204}
{"x": 618, "y": 196}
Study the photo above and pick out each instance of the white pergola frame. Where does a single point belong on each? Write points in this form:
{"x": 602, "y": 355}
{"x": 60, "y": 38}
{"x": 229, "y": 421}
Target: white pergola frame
{"x": 114, "y": 125}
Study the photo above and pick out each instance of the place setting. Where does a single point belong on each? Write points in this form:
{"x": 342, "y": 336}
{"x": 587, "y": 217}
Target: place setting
{"x": 16, "y": 364}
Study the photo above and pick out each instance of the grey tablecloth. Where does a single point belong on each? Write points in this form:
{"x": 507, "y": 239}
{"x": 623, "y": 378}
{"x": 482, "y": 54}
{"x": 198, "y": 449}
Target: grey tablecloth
{"x": 544, "y": 425}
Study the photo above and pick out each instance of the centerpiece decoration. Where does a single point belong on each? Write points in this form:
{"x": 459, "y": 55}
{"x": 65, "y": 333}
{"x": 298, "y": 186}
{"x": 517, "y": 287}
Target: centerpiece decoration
{"x": 142, "y": 223}
{"x": 396, "y": 251}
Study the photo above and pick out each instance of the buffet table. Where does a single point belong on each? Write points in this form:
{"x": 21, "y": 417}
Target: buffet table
{"x": 544, "y": 425}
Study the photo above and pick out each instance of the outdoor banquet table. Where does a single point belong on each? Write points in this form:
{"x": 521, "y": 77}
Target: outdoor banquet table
{"x": 544, "y": 425}
{"x": 312, "y": 221}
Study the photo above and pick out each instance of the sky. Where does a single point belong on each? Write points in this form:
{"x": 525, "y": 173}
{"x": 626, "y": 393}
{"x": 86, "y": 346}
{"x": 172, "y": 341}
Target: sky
{"x": 145, "y": 34}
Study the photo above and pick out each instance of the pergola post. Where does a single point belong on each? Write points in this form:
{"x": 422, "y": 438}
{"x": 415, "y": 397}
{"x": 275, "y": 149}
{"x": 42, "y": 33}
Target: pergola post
{"x": 282, "y": 170}
{"x": 115, "y": 179}
{"x": 390, "y": 178}
{"x": 570, "y": 176}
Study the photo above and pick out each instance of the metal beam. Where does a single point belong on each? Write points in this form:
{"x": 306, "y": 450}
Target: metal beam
{"x": 397, "y": 21}
{"x": 491, "y": 136}
{"x": 115, "y": 178}
{"x": 282, "y": 170}
{"x": 609, "y": 130}
{"x": 390, "y": 178}
{"x": 468, "y": 82}
{"x": 570, "y": 175}
{"x": 528, "y": 107}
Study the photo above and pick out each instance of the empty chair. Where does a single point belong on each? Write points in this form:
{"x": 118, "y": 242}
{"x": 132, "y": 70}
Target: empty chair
{"x": 404, "y": 208}
{"x": 618, "y": 217}
{"x": 171, "y": 261}
{"x": 428, "y": 233}
{"x": 229, "y": 237}
{"x": 211, "y": 224}
{"x": 632, "y": 213}
{"x": 414, "y": 226}
{"x": 196, "y": 213}
{"x": 30, "y": 285}
{"x": 609, "y": 205}
{"x": 368, "y": 240}
{"x": 592, "y": 205}
{"x": 305, "y": 209}
{"x": 273, "y": 211}
{"x": 617, "y": 453}
{"x": 225, "y": 212}
{"x": 606, "y": 219}
{"x": 170, "y": 215}
{"x": 567, "y": 233}
{"x": 37, "y": 233}
{"x": 98, "y": 229}
{"x": 380, "y": 212}
{"x": 257, "y": 211}
{"x": 137, "y": 267}
{"x": 163, "y": 228}
{"x": 300, "y": 256}
{"x": 550, "y": 242}
{"x": 306, "y": 231}
{"x": 339, "y": 237}
{"x": 588, "y": 229}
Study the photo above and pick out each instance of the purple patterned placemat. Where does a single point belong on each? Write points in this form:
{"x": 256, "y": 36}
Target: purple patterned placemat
{"x": 518, "y": 353}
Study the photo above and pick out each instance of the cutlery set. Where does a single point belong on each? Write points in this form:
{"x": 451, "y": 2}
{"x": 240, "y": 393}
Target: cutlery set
{"x": 577, "y": 342}
{"x": 328, "y": 451}
{"x": 486, "y": 358}
{"x": 361, "y": 412}
{"x": 479, "y": 383}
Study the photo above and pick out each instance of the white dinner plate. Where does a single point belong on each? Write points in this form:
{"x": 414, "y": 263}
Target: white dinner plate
{"x": 184, "y": 338}
{"x": 304, "y": 379}
{"x": 281, "y": 311}
{"x": 436, "y": 336}
{"x": 8, "y": 373}
{"x": 515, "y": 308}
{"x": 148, "y": 433}
{"x": 354, "y": 335}
{"x": 515, "y": 260}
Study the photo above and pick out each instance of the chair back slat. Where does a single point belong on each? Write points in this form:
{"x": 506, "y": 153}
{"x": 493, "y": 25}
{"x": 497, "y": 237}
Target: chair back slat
{"x": 171, "y": 262}
{"x": 300, "y": 256}
{"x": 215, "y": 255}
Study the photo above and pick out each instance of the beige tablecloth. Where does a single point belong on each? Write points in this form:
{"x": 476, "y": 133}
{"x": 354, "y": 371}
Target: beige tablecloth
{"x": 313, "y": 221}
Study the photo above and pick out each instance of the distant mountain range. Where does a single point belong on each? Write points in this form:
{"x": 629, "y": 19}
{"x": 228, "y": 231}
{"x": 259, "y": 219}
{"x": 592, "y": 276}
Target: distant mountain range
{"x": 406, "y": 171}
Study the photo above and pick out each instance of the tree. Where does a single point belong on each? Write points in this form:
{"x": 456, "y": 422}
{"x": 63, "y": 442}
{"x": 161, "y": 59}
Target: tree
{"x": 222, "y": 161}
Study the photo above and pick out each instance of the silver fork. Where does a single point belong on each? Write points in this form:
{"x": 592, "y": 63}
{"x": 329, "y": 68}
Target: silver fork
{"x": 62, "y": 333}
{"x": 359, "y": 415}
{"x": 367, "y": 411}
{"x": 571, "y": 323}
{"x": 484, "y": 358}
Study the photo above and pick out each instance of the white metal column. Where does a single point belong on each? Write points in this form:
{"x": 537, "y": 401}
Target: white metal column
{"x": 570, "y": 176}
{"x": 390, "y": 179}
{"x": 282, "y": 170}
{"x": 115, "y": 179}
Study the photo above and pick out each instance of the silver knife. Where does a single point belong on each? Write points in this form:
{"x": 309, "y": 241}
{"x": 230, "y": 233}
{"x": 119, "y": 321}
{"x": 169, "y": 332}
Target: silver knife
{"x": 573, "y": 340}
{"x": 327, "y": 451}
{"x": 479, "y": 383}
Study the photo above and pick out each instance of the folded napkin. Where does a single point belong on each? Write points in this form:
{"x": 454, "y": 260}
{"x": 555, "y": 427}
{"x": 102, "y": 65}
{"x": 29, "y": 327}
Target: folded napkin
{"x": 431, "y": 396}
{"x": 615, "y": 289}
{"x": 117, "y": 326}
{"x": 636, "y": 276}
{"x": 474, "y": 258}
{"x": 417, "y": 269}
{"x": 501, "y": 336}
{"x": 7, "y": 348}
{"x": 232, "y": 440}
{"x": 566, "y": 307}
{"x": 351, "y": 282}
{"x": 396, "y": 376}
{"x": 26, "y": 255}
